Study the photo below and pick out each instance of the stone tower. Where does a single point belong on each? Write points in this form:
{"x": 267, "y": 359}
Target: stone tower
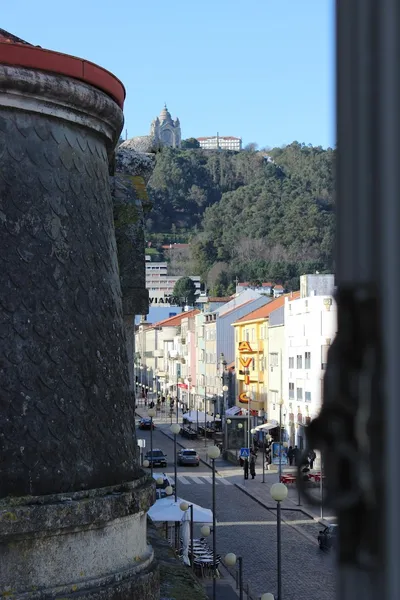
{"x": 73, "y": 499}
{"x": 165, "y": 130}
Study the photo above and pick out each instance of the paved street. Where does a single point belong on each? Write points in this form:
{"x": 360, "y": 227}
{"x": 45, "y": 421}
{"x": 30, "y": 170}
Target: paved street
{"x": 248, "y": 529}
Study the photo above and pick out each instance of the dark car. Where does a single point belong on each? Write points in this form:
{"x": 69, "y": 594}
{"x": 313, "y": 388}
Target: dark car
{"x": 327, "y": 538}
{"x": 157, "y": 457}
{"x": 188, "y": 457}
{"x": 145, "y": 423}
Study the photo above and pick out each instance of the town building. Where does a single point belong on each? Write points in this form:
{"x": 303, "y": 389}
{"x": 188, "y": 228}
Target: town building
{"x": 263, "y": 288}
{"x": 253, "y": 361}
{"x": 220, "y": 142}
{"x": 219, "y": 342}
{"x": 165, "y": 130}
{"x": 161, "y": 285}
{"x": 310, "y": 327}
{"x": 157, "y": 352}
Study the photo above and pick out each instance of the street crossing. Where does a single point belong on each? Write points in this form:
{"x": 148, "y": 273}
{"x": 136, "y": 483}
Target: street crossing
{"x": 198, "y": 480}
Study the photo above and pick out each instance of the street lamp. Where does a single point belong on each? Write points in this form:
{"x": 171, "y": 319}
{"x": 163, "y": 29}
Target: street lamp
{"x": 230, "y": 560}
{"x": 279, "y": 492}
{"x": 151, "y": 413}
{"x": 214, "y": 454}
{"x": 280, "y": 403}
{"x": 146, "y": 463}
{"x": 175, "y": 429}
{"x": 267, "y": 596}
{"x": 184, "y": 506}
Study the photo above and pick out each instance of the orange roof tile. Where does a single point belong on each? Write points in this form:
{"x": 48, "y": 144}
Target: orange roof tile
{"x": 176, "y": 319}
{"x": 264, "y": 311}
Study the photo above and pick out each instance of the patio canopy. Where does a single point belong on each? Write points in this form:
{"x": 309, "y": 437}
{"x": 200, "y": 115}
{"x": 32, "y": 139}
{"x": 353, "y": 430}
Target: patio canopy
{"x": 166, "y": 509}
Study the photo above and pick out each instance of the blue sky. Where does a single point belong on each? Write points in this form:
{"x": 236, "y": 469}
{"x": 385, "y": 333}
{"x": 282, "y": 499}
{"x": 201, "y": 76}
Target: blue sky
{"x": 259, "y": 69}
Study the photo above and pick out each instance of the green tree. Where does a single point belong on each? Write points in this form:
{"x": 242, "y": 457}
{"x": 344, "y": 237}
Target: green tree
{"x": 185, "y": 291}
{"x": 190, "y": 143}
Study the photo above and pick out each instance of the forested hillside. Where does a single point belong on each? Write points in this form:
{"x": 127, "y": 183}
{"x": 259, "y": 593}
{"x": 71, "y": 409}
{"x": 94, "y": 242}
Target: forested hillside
{"x": 245, "y": 214}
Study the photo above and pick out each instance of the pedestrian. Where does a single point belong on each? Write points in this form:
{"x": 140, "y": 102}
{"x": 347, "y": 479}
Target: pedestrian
{"x": 290, "y": 455}
{"x": 296, "y": 455}
{"x": 252, "y": 466}
{"x": 246, "y": 468}
{"x": 311, "y": 458}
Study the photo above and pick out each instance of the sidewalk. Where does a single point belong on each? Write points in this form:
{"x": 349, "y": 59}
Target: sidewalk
{"x": 256, "y": 489}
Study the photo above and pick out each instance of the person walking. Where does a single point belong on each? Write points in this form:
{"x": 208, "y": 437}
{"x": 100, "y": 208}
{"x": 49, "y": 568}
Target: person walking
{"x": 252, "y": 465}
{"x": 246, "y": 468}
{"x": 296, "y": 455}
{"x": 290, "y": 455}
{"x": 311, "y": 458}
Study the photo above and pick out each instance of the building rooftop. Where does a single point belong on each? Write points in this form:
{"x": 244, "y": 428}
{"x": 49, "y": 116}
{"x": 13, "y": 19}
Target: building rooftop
{"x": 264, "y": 311}
{"x": 177, "y": 319}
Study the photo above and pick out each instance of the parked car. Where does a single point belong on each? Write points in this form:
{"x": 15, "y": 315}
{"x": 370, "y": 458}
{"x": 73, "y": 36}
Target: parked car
{"x": 327, "y": 538}
{"x": 145, "y": 423}
{"x": 188, "y": 457}
{"x": 157, "y": 457}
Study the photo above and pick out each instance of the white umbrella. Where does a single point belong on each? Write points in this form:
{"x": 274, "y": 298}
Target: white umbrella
{"x": 166, "y": 509}
{"x": 185, "y": 537}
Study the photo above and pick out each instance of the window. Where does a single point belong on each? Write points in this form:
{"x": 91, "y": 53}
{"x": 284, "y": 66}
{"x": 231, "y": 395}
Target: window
{"x": 307, "y": 396}
{"x": 291, "y": 390}
{"x": 253, "y": 364}
{"x": 299, "y": 361}
{"x": 299, "y": 393}
{"x": 291, "y": 362}
{"x": 307, "y": 360}
{"x": 273, "y": 359}
{"x": 246, "y": 335}
{"x": 261, "y": 333}
{"x": 252, "y": 334}
{"x": 261, "y": 363}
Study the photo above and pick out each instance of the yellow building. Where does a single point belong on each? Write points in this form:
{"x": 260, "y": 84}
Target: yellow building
{"x": 251, "y": 356}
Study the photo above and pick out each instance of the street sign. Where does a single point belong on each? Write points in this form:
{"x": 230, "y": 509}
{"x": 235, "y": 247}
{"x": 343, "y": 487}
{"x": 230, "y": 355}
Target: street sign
{"x": 244, "y": 453}
{"x": 141, "y": 443}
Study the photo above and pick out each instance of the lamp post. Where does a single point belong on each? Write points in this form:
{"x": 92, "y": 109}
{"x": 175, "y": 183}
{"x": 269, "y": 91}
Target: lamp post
{"x": 230, "y": 560}
{"x": 175, "y": 429}
{"x": 184, "y": 506}
{"x": 240, "y": 426}
{"x": 279, "y": 492}
{"x": 227, "y": 422}
{"x": 267, "y": 596}
{"x": 151, "y": 413}
{"x": 280, "y": 403}
{"x": 141, "y": 379}
{"x": 213, "y": 454}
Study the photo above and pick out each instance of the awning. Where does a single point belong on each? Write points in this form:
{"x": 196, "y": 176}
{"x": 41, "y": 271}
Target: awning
{"x": 183, "y": 386}
{"x": 267, "y": 426}
{"x": 233, "y": 410}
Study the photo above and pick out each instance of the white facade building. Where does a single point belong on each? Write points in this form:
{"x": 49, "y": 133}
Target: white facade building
{"x": 161, "y": 285}
{"x": 310, "y": 326}
{"x": 218, "y": 142}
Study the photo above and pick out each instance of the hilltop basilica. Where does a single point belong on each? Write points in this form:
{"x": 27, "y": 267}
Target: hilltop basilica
{"x": 166, "y": 131}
